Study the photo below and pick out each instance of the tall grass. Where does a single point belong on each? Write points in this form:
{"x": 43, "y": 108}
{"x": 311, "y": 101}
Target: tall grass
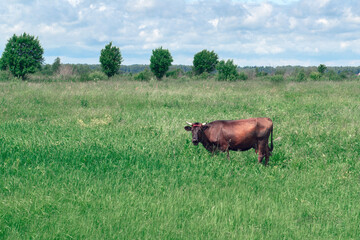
{"x": 111, "y": 160}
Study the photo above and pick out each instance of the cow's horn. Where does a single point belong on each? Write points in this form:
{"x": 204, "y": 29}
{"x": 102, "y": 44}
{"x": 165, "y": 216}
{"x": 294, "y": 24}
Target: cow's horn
{"x": 189, "y": 123}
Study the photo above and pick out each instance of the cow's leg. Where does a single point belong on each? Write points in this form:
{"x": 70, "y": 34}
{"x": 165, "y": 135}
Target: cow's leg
{"x": 267, "y": 154}
{"x": 261, "y": 151}
{"x": 224, "y": 147}
{"x": 227, "y": 149}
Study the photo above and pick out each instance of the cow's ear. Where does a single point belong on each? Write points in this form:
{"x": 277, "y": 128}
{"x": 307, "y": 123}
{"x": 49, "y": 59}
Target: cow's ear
{"x": 187, "y": 128}
{"x": 204, "y": 127}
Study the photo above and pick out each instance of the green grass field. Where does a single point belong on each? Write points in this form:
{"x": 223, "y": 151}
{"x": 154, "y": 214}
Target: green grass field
{"x": 111, "y": 160}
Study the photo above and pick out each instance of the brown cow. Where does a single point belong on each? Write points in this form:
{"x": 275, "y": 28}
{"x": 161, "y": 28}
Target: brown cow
{"x": 225, "y": 135}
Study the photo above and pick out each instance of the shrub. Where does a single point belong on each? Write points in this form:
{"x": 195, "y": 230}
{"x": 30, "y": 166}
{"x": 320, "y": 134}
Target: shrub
{"x": 84, "y": 77}
{"x": 243, "y": 76}
{"x": 259, "y": 73}
{"x": 205, "y": 61}
{"x": 110, "y": 59}
{"x": 22, "y": 55}
{"x": 189, "y": 74}
{"x": 344, "y": 75}
{"x": 4, "y": 76}
{"x": 300, "y": 76}
{"x": 315, "y": 76}
{"x": 227, "y": 70}
{"x": 277, "y": 78}
{"x": 333, "y": 76}
{"x": 56, "y": 65}
{"x": 280, "y": 71}
{"x": 203, "y": 76}
{"x": 97, "y": 75}
{"x": 46, "y": 70}
{"x": 174, "y": 73}
{"x": 145, "y": 75}
{"x": 160, "y": 62}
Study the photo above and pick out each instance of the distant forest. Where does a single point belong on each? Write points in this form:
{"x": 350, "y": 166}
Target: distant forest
{"x": 137, "y": 68}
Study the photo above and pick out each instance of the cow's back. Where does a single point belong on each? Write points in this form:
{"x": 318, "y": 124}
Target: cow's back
{"x": 233, "y": 134}
{"x": 264, "y": 126}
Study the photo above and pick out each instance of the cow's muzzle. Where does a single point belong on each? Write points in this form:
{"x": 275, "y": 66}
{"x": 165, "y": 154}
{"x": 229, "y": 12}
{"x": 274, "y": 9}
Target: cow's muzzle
{"x": 195, "y": 142}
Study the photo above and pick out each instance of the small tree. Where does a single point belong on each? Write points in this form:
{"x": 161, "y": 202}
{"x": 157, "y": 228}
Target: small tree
{"x": 321, "y": 69}
{"x": 145, "y": 75}
{"x": 22, "y": 55}
{"x": 227, "y": 70}
{"x": 56, "y": 65}
{"x": 315, "y": 76}
{"x": 110, "y": 59}
{"x": 205, "y": 61}
{"x": 300, "y": 75}
{"x": 160, "y": 62}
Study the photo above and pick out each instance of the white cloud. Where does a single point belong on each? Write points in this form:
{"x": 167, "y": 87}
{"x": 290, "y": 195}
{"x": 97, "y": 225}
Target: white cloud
{"x": 351, "y": 17}
{"x": 292, "y": 23}
{"x": 141, "y": 4}
{"x": 100, "y": 7}
{"x": 321, "y": 3}
{"x": 258, "y": 14}
{"x": 214, "y": 22}
{"x": 74, "y": 3}
{"x": 323, "y": 21}
{"x": 302, "y": 31}
{"x": 344, "y": 45}
{"x": 52, "y": 29}
{"x": 151, "y": 36}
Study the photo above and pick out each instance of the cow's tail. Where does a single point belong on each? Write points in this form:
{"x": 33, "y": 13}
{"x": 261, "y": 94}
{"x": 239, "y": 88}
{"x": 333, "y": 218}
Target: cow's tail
{"x": 271, "y": 144}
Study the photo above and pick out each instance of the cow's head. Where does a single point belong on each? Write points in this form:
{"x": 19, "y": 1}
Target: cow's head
{"x": 197, "y": 130}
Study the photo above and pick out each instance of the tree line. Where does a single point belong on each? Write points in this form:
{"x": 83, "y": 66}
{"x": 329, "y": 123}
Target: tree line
{"x": 23, "y": 55}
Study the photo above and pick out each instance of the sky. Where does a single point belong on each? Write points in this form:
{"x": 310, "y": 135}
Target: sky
{"x": 250, "y": 32}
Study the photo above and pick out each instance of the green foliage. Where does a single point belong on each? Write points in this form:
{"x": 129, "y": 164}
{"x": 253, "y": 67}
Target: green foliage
{"x": 344, "y": 75}
{"x": 97, "y": 76}
{"x": 315, "y": 76}
{"x": 321, "y": 69}
{"x": 277, "y": 78}
{"x": 243, "y": 76}
{"x": 56, "y": 65}
{"x": 83, "y": 68}
{"x": 259, "y": 73}
{"x": 54, "y": 69}
{"x": 227, "y": 70}
{"x": 110, "y": 59}
{"x": 145, "y": 75}
{"x": 203, "y": 76}
{"x": 134, "y": 68}
{"x": 174, "y": 73}
{"x": 331, "y": 75}
{"x": 205, "y": 61}
{"x": 160, "y": 62}
{"x": 22, "y": 55}
{"x": 46, "y": 70}
{"x": 4, "y": 76}
{"x": 280, "y": 71}
{"x": 300, "y": 75}
{"x": 189, "y": 74}
{"x": 92, "y": 76}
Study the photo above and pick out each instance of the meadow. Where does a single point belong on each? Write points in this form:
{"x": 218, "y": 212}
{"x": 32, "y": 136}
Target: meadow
{"x": 111, "y": 160}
